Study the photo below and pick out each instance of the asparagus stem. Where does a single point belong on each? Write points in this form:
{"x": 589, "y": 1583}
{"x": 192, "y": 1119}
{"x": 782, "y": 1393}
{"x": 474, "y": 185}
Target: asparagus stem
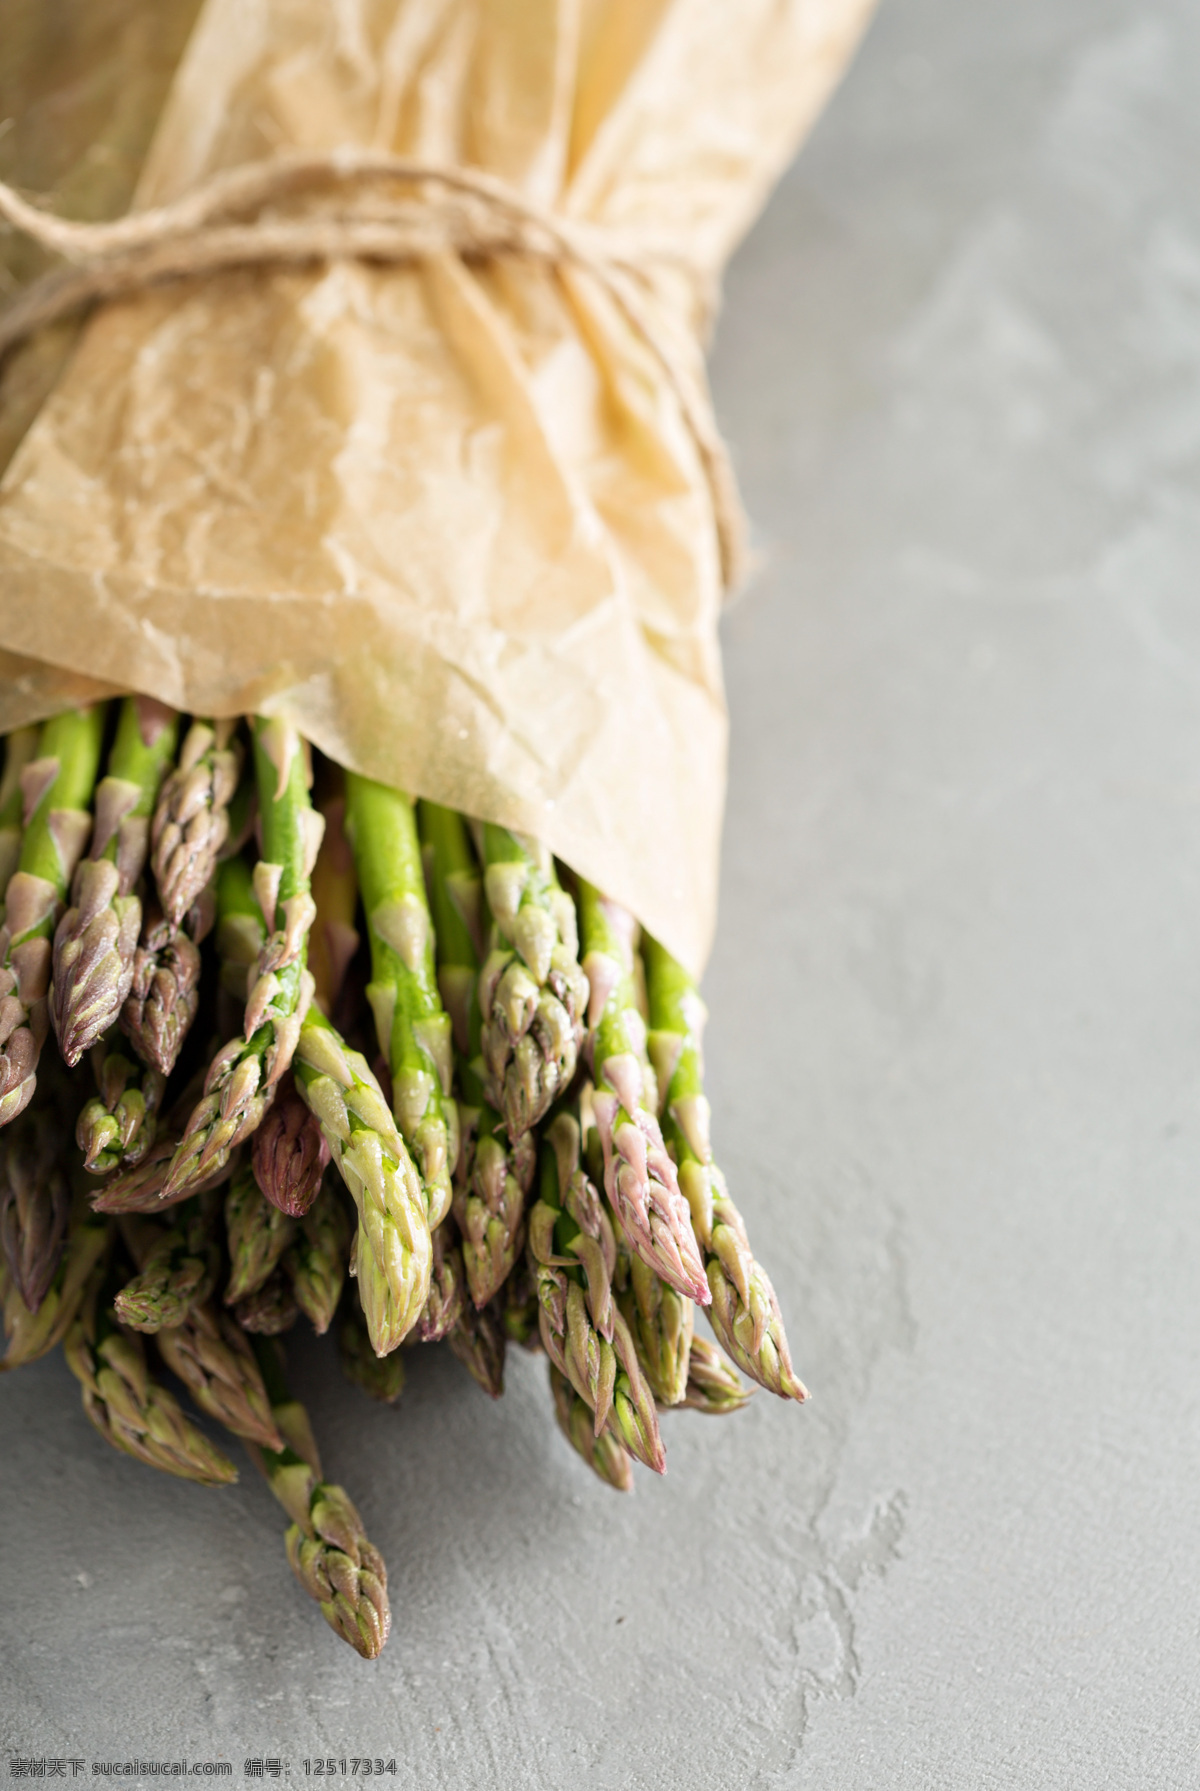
{"x": 334, "y": 940}
{"x": 96, "y": 940}
{"x": 640, "y": 1179}
{"x": 257, "y": 1232}
{"x": 412, "y": 1026}
{"x": 744, "y": 1312}
{"x": 130, "y": 1409}
{"x": 20, "y": 749}
{"x": 191, "y": 817}
{"x": 315, "y": 1262}
{"x": 533, "y": 996}
{"x": 478, "y": 1340}
{"x": 57, "y": 788}
{"x": 583, "y": 1332}
{"x": 35, "y": 1202}
{"x": 493, "y": 1174}
{"x": 393, "y": 1253}
{"x": 326, "y": 1544}
{"x": 603, "y": 1454}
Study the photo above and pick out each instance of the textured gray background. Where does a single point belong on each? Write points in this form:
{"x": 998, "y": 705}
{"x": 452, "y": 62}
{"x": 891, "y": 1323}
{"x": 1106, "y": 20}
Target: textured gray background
{"x": 955, "y": 1054}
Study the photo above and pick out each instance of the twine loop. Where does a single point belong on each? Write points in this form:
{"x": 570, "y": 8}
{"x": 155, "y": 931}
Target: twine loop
{"x": 228, "y": 222}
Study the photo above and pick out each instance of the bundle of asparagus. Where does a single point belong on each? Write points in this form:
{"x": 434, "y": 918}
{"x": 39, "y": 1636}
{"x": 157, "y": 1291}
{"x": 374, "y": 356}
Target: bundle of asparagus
{"x": 475, "y": 1114}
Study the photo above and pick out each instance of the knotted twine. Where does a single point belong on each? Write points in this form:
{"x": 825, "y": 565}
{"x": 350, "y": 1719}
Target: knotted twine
{"x": 456, "y": 210}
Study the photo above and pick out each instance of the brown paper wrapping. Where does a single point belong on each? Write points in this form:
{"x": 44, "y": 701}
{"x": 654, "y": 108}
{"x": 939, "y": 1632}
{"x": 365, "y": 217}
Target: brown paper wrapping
{"x": 448, "y": 519}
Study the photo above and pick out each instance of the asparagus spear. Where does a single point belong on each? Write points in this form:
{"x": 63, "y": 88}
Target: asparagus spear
{"x": 35, "y": 1202}
{"x": 258, "y": 1234}
{"x": 129, "y": 1409}
{"x": 392, "y": 1254}
{"x": 211, "y": 1355}
{"x": 57, "y": 787}
{"x": 639, "y": 1177}
{"x": 177, "y": 1268}
{"x": 478, "y": 1340}
{"x": 532, "y": 997}
{"x": 493, "y": 1175}
{"x": 243, "y": 1075}
{"x": 271, "y": 1309}
{"x": 744, "y": 1312}
{"x": 326, "y": 1544}
{"x": 379, "y": 1377}
{"x": 661, "y": 1321}
{"x": 412, "y": 1026}
{"x": 96, "y": 939}
{"x": 603, "y": 1453}
{"x": 583, "y": 1332}
{"x": 520, "y": 1307}
{"x": 289, "y": 1153}
{"x": 164, "y": 991}
{"x": 444, "y": 1302}
{"x": 118, "y": 1125}
{"x": 713, "y": 1383}
{"x": 315, "y": 1261}
{"x": 20, "y": 748}
{"x": 140, "y": 1189}
{"x": 191, "y": 816}
{"x": 34, "y": 1334}
{"x": 334, "y": 940}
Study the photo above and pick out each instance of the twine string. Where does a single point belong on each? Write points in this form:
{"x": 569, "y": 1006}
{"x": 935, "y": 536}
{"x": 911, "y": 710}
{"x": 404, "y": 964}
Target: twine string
{"x": 228, "y": 222}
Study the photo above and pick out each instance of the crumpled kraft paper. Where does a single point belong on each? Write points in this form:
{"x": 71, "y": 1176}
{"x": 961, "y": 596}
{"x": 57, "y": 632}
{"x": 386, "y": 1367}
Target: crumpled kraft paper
{"x": 447, "y": 519}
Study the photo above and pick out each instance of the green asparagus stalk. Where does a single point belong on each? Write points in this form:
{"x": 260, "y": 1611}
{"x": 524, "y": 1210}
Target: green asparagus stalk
{"x": 326, "y": 1544}
{"x": 603, "y": 1454}
{"x": 257, "y": 1232}
{"x": 392, "y": 1255}
{"x": 271, "y": 1309}
{"x": 744, "y": 1312}
{"x": 130, "y": 1409}
{"x": 57, "y": 788}
{"x": 583, "y": 1332}
{"x": 520, "y": 1308}
{"x": 315, "y": 1262}
{"x": 412, "y": 1026}
{"x": 661, "y": 1322}
{"x": 493, "y": 1175}
{"x": 211, "y": 1355}
{"x": 191, "y": 816}
{"x": 444, "y": 1302}
{"x": 478, "y": 1339}
{"x": 35, "y": 1202}
{"x": 713, "y": 1383}
{"x": 640, "y": 1179}
{"x": 33, "y": 1334}
{"x": 533, "y": 996}
{"x": 164, "y": 991}
{"x": 96, "y": 940}
{"x": 177, "y": 1267}
{"x": 119, "y": 1124}
{"x": 20, "y": 748}
{"x": 379, "y": 1377}
{"x": 334, "y": 939}
{"x": 243, "y": 1076}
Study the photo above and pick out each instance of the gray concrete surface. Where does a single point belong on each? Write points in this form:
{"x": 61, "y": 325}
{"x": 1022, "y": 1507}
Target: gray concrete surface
{"x": 955, "y": 1055}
